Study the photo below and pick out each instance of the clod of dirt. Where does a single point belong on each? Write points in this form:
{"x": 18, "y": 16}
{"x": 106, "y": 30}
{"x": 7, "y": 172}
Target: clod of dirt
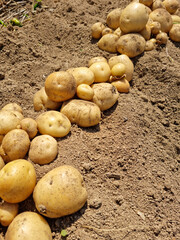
{"x": 95, "y": 203}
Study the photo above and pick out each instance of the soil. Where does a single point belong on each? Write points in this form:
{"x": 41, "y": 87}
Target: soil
{"x": 130, "y": 161}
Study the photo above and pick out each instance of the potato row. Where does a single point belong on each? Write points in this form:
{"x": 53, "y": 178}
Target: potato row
{"x": 139, "y": 27}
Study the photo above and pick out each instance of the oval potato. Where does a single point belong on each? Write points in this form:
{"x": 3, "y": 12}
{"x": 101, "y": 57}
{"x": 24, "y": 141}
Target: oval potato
{"x": 96, "y": 59}
{"x": 101, "y": 71}
{"x": 174, "y": 33}
{"x": 85, "y": 92}
{"x": 113, "y": 17}
{"x": 8, "y": 122}
{"x": 13, "y": 107}
{"x": 30, "y": 126}
{"x": 122, "y": 85}
{"x": 96, "y": 30}
{"x": 8, "y": 211}
{"x": 108, "y": 42}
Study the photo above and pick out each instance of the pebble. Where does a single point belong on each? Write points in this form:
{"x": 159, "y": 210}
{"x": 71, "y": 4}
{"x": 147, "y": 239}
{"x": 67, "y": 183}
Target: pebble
{"x": 2, "y": 75}
{"x": 1, "y": 45}
{"x": 119, "y": 200}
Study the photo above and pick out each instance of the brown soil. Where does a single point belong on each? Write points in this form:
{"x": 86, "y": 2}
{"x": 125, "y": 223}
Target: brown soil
{"x": 130, "y": 161}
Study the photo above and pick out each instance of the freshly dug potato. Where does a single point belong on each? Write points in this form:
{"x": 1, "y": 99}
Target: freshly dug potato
{"x": 131, "y": 44}
{"x": 157, "y": 4}
{"x": 106, "y": 30}
{"x": 126, "y": 61}
{"x": 60, "y": 86}
{"x": 146, "y": 32}
{"x": 41, "y": 101}
{"x": 122, "y": 85}
{"x": 108, "y": 43}
{"x": 8, "y": 121}
{"x": 155, "y": 27}
{"x": 15, "y": 145}
{"x": 133, "y": 18}
{"x": 82, "y": 75}
{"x": 175, "y": 19}
{"x": 12, "y": 107}
{"x": 174, "y": 33}
{"x": 113, "y": 17}
{"x": 8, "y": 211}
{"x": 101, "y": 71}
{"x": 105, "y": 95}
{"x": 118, "y": 32}
{"x": 17, "y": 114}
{"x": 2, "y": 164}
{"x": 150, "y": 44}
{"x": 162, "y": 38}
{"x": 85, "y": 92}
{"x": 171, "y": 5}
{"x": 118, "y": 70}
{"x": 28, "y": 226}
{"x": 65, "y": 186}
{"x": 17, "y": 181}
{"x": 81, "y": 112}
{"x": 53, "y": 123}
{"x": 146, "y": 2}
{"x": 43, "y": 149}
{"x": 163, "y": 17}
{"x": 30, "y": 126}
{"x": 96, "y": 30}
{"x": 96, "y": 59}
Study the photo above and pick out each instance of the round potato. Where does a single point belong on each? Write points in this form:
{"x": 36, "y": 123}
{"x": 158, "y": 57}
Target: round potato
{"x": 101, "y": 71}
{"x": 161, "y": 38}
{"x": 96, "y": 59}
{"x": 118, "y": 70}
{"x": 131, "y": 44}
{"x": 96, "y": 30}
{"x": 146, "y": 2}
{"x": 171, "y": 5}
{"x": 122, "y": 85}
{"x": 113, "y": 17}
{"x": 17, "y": 181}
{"x": 157, "y": 4}
{"x": 30, "y": 126}
{"x": 85, "y": 92}
{"x": 174, "y": 33}
{"x": 175, "y": 19}
{"x": 28, "y": 226}
{"x": 53, "y": 123}
{"x": 8, "y": 211}
{"x": 60, "y": 86}
{"x": 81, "y": 112}
{"x": 2, "y": 164}
{"x": 17, "y": 114}
{"x": 155, "y": 27}
{"x": 108, "y": 42}
{"x": 65, "y": 186}
{"x": 13, "y": 107}
{"x": 43, "y": 149}
{"x": 105, "y": 95}
{"x": 8, "y": 121}
{"x": 150, "y": 44}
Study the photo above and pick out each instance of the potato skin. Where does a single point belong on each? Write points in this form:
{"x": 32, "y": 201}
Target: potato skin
{"x": 65, "y": 186}
{"x": 28, "y": 226}
{"x": 30, "y": 126}
{"x": 113, "y": 17}
{"x": 8, "y": 211}
{"x": 12, "y": 107}
{"x": 2, "y": 164}
{"x": 101, "y": 71}
{"x": 174, "y": 33}
{"x": 108, "y": 42}
{"x": 8, "y": 121}
{"x": 96, "y": 59}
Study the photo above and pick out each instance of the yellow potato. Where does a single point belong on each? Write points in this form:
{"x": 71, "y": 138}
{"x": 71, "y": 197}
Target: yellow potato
{"x": 8, "y": 211}
{"x": 122, "y": 85}
{"x": 146, "y": 2}
{"x": 118, "y": 32}
{"x": 17, "y": 114}
{"x": 2, "y": 164}
{"x": 17, "y": 181}
{"x": 85, "y": 92}
{"x": 175, "y": 19}
{"x": 150, "y": 45}
{"x": 118, "y": 70}
{"x": 101, "y": 71}
{"x": 8, "y": 121}
{"x": 96, "y": 30}
{"x": 30, "y": 126}
{"x": 157, "y": 4}
{"x": 155, "y": 27}
{"x": 108, "y": 42}
{"x": 171, "y": 5}
{"x": 146, "y": 32}
{"x": 53, "y": 123}
{"x": 96, "y": 59}
{"x": 106, "y": 30}
{"x": 113, "y": 17}
{"x": 174, "y": 33}
{"x": 13, "y": 107}
{"x": 66, "y": 189}
{"x": 1, "y": 138}
{"x": 28, "y": 226}
{"x": 162, "y": 38}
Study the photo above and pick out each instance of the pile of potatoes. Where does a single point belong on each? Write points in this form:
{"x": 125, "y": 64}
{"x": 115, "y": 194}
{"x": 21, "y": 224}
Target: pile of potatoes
{"x": 139, "y": 27}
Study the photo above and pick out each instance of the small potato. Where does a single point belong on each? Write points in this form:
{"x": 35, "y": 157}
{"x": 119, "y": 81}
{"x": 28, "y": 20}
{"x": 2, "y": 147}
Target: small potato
{"x": 155, "y": 27}
{"x": 150, "y": 45}
{"x": 171, "y": 5}
{"x": 66, "y": 189}
{"x": 43, "y": 149}
{"x": 157, "y": 4}
{"x": 30, "y": 126}
{"x": 118, "y": 32}
{"x": 8, "y": 211}
{"x": 175, "y": 19}
{"x": 82, "y": 75}
{"x": 126, "y": 61}
{"x": 53, "y": 123}
{"x": 146, "y": 2}
{"x": 17, "y": 181}
{"x": 146, "y": 32}
{"x": 132, "y": 44}
{"x": 113, "y": 17}
{"x": 15, "y": 145}
{"x": 161, "y": 38}
{"x": 105, "y": 95}
{"x": 96, "y": 30}
{"x": 118, "y": 70}
{"x": 81, "y": 112}
{"x": 8, "y": 121}
{"x": 2, "y": 164}
{"x": 174, "y": 33}
{"x": 41, "y": 101}
{"x": 122, "y": 85}
{"x": 108, "y": 43}
{"x": 106, "y": 30}
{"x": 101, "y": 71}
{"x": 60, "y": 86}
{"x": 13, "y": 107}
{"x": 85, "y": 92}
{"x": 96, "y": 59}
{"x": 28, "y": 226}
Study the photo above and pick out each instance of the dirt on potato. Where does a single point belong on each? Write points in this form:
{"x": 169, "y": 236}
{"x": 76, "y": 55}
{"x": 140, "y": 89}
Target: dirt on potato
{"x": 130, "y": 161}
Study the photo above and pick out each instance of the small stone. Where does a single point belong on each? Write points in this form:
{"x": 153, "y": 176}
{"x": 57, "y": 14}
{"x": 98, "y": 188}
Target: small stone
{"x": 1, "y": 45}
{"x": 95, "y": 203}
{"x": 2, "y": 75}
{"x": 119, "y": 200}
{"x": 87, "y": 166}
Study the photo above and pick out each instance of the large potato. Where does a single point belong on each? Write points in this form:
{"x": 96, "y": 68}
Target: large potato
{"x": 81, "y": 112}
{"x": 30, "y": 126}
{"x": 43, "y": 149}
{"x": 131, "y": 44}
{"x": 105, "y": 95}
{"x": 113, "y": 17}
{"x": 13, "y": 107}
{"x": 53, "y": 123}
{"x": 17, "y": 181}
{"x": 60, "y": 192}
{"x": 60, "y": 86}
{"x": 174, "y": 33}
{"x": 28, "y": 226}
{"x": 8, "y": 211}
{"x": 108, "y": 43}
{"x": 15, "y": 145}
{"x": 8, "y": 121}
{"x": 101, "y": 71}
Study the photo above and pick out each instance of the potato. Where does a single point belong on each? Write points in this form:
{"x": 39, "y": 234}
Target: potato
{"x": 8, "y": 121}
{"x": 2, "y": 164}
{"x": 65, "y": 186}
{"x": 146, "y": 32}
{"x": 17, "y": 181}
{"x": 108, "y": 43}
{"x": 30, "y": 126}
{"x": 105, "y": 95}
{"x": 175, "y": 19}
{"x": 122, "y": 85}
{"x": 1, "y": 138}
{"x": 96, "y": 30}
{"x": 131, "y": 44}
{"x": 171, "y": 5}
{"x": 96, "y": 59}
{"x": 126, "y": 61}
{"x": 133, "y": 18}
{"x": 17, "y": 114}
{"x": 28, "y": 226}
{"x": 60, "y": 86}
{"x": 118, "y": 70}
{"x": 85, "y": 92}
{"x": 118, "y": 32}
{"x": 8, "y": 211}
{"x": 155, "y": 27}
{"x": 13, "y": 107}
{"x": 106, "y": 30}
{"x": 82, "y": 75}
{"x": 53, "y": 123}
{"x": 163, "y": 17}
{"x": 113, "y": 17}
{"x": 174, "y": 33}
{"x": 41, "y": 101}
{"x": 157, "y": 4}
{"x": 161, "y": 38}
{"x": 101, "y": 71}
{"x": 43, "y": 149}
{"x": 150, "y": 44}
{"x": 81, "y": 112}
{"x": 146, "y": 2}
